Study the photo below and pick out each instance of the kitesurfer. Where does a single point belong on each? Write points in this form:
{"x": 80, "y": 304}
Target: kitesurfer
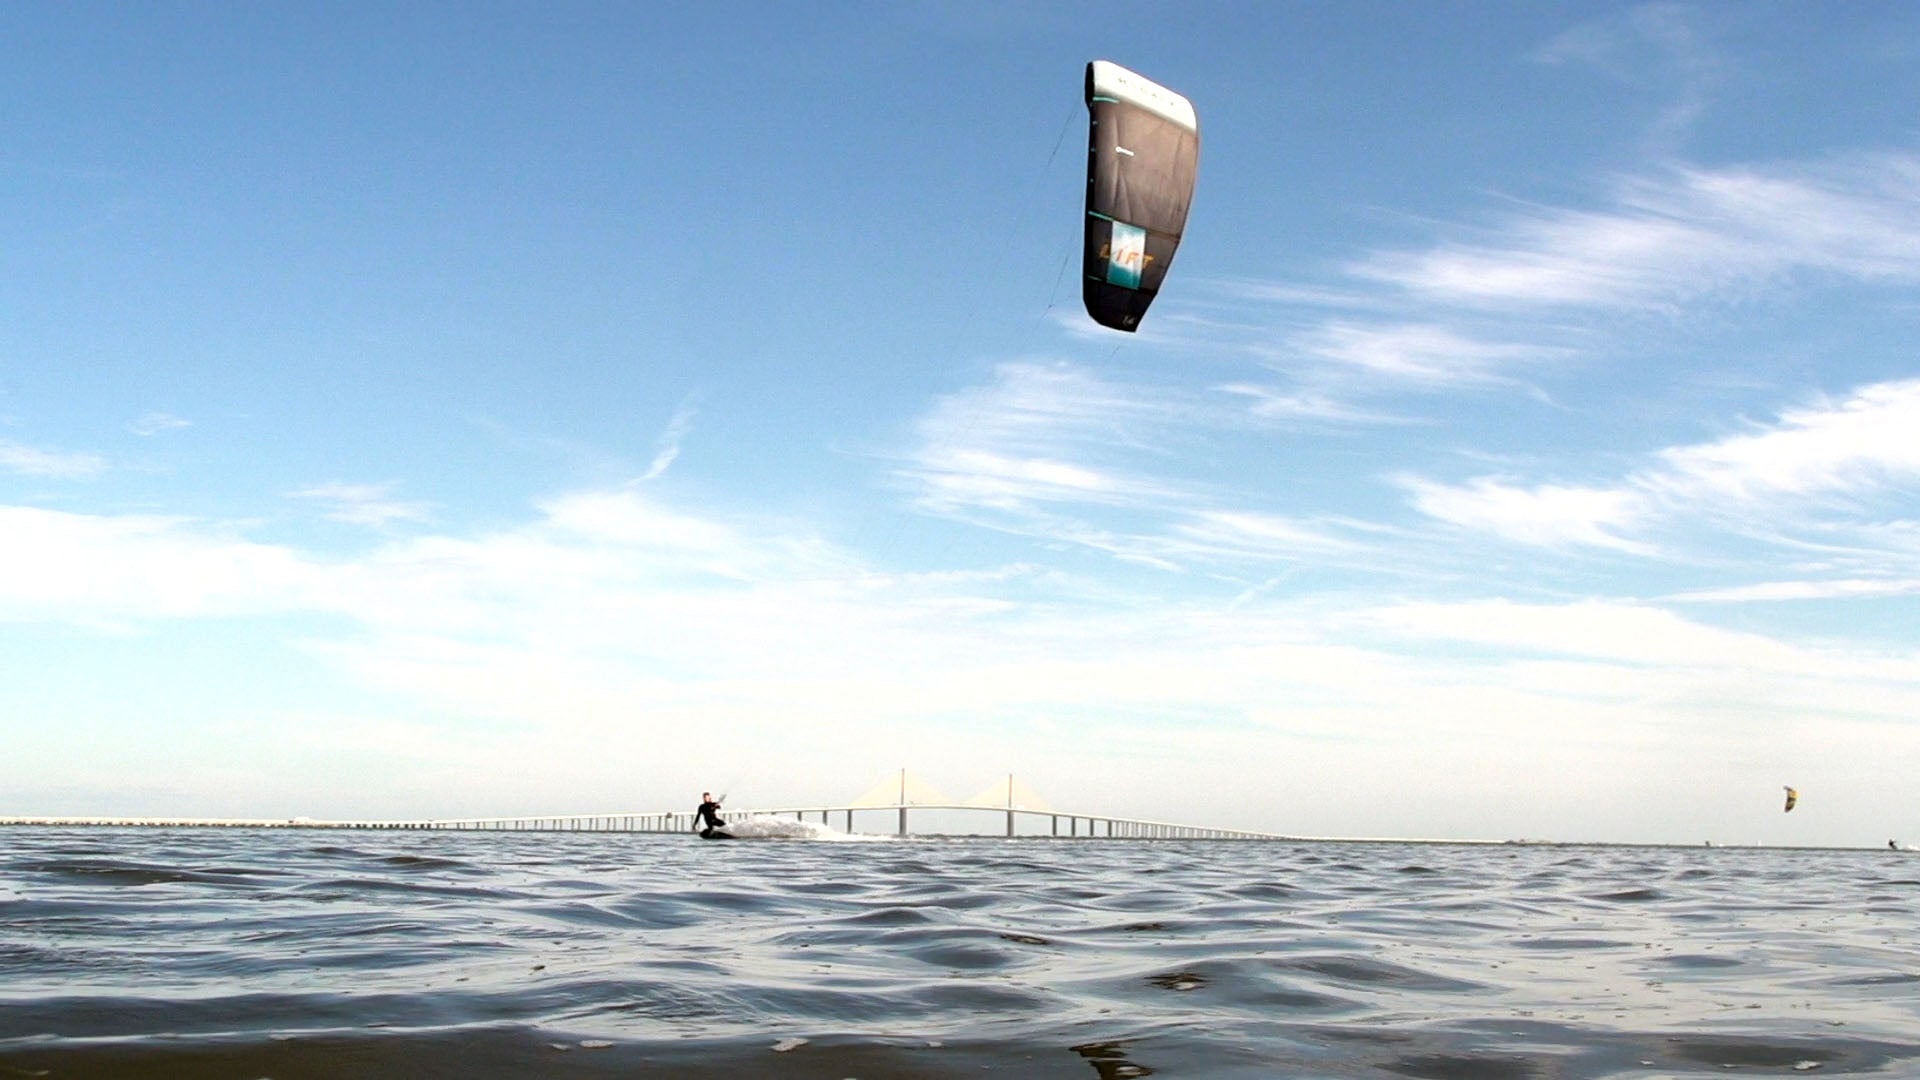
{"x": 707, "y": 817}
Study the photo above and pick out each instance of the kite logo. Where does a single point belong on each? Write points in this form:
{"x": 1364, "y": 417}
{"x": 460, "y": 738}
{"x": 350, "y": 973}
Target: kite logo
{"x": 1126, "y": 255}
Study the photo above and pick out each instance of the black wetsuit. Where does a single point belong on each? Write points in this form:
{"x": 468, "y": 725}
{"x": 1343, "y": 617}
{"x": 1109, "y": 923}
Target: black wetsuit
{"x": 709, "y": 815}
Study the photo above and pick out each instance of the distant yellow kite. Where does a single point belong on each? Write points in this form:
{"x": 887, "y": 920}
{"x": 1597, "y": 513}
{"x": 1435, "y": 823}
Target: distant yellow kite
{"x": 1792, "y": 798}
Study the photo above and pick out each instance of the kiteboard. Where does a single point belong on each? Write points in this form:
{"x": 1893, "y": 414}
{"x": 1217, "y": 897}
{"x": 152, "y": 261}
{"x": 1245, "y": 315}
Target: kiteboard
{"x": 717, "y": 834}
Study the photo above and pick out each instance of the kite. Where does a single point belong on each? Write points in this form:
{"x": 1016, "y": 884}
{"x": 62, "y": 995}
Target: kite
{"x": 1792, "y": 798}
{"x": 1143, "y": 149}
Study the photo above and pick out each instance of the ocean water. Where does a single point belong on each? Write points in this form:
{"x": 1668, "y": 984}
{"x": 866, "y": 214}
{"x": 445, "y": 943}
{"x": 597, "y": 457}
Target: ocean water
{"x": 303, "y": 953}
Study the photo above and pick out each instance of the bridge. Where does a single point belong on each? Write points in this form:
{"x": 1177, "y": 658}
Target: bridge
{"x": 1023, "y": 814}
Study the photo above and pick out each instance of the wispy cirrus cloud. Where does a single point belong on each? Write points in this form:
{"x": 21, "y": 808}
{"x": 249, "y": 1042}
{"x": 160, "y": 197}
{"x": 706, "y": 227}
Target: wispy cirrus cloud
{"x": 1857, "y": 445}
{"x": 153, "y": 423}
{"x": 1305, "y": 404}
{"x": 1678, "y": 237}
{"x": 1525, "y": 293}
{"x": 1043, "y": 434}
{"x": 1238, "y": 534}
{"x": 957, "y": 476}
{"x": 1542, "y": 515}
{"x": 1656, "y": 47}
{"x": 1051, "y": 403}
{"x": 667, "y": 446}
{"x": 34, "y": 461}
{"x": 1640, "y": 635}
{"x": 1413, "y": 353}
{"x": 364, "y": 504}
{"x": 1060, "y": 453}
{"x": 1057, "y": 453}
{"x": 1840, "y": 472}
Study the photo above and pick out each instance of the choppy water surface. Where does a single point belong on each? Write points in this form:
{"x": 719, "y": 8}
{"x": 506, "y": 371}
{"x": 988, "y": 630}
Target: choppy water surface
{"x": 285, "y": 953}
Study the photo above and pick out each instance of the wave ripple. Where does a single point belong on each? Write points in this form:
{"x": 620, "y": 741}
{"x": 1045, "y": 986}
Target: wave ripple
{"x": 230, "y": 953}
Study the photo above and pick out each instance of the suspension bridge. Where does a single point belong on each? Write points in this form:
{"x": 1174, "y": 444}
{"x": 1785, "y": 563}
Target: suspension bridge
{"x": 1015, "y": 809}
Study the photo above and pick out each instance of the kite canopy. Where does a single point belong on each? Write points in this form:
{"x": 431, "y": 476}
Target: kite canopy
{"x": 1143, "y": 150}
{"x": 1792, "y": 798}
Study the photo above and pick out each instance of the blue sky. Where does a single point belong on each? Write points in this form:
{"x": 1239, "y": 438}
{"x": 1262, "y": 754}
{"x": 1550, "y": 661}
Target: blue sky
{"x": 480, "y": 409}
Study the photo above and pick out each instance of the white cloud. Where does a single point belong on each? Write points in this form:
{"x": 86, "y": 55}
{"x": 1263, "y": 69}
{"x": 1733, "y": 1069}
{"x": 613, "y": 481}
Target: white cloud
{"x": 1029, "y": 404}
{"x": 1769, "y": 483}
{"x": 1039, "y": 435}
{"x": 49, "y": 464}
{"x": 1592, "y": 630}
{"x": 1654, "y": 47}
{"x": 1307, "y": 405}
{"x": 623, "y": 519}
{"x": 1418, "y": 353}
{"x": 1057, "y": 454}
{"x": 667, "y": 449}
{"x": 1571, "y": 258}
{"x": 1537, "y": 288}
{"x": 1547, "y": 515}
{"x": 1864, "y": 441}
{"x": 101, "y": 570}
{"x": 1244, "y": 534}
{"x": 602, "y": 622}
{"x": 1685, "y": 236}
{"x": 983, "y": 479}
{"x": 364, "y": 504}
{"x": 1537, "y": 284}
{"x": 1672, "y": 650}
{"x": 1831, "y": 589}
{"x": 153, "y": 423}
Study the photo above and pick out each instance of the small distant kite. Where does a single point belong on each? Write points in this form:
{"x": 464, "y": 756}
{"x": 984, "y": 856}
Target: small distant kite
{"x": 1793, "y": 797}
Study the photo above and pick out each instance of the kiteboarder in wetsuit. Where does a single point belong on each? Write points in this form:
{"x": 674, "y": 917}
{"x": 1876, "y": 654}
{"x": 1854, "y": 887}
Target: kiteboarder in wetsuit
{"x": 707, "y": 817}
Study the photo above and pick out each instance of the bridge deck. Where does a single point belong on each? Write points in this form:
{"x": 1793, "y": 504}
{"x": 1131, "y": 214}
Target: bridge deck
{"x": 1059, "y": 823}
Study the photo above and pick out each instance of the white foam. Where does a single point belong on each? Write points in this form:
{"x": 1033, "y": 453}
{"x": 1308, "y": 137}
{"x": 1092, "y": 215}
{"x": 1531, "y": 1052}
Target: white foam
{"x": 773, "y": 828}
